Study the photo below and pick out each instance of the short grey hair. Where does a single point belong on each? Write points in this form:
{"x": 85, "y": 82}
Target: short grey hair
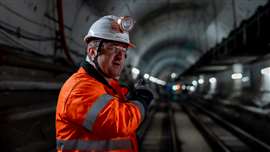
{"x": 93, "y": 43}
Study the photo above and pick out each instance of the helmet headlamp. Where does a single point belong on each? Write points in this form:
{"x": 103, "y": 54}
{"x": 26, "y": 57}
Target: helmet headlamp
{"x": 126, "y": 23}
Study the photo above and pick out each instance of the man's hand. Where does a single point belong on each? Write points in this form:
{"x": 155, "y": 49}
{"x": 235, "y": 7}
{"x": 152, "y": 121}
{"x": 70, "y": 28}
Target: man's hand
{"x": 142, "y": 94}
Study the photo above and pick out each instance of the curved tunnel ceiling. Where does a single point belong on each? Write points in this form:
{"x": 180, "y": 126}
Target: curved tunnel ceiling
{"x": 192, "y": 25}
{"x": 180, "y": 52}
{"x": 172, "y": 25}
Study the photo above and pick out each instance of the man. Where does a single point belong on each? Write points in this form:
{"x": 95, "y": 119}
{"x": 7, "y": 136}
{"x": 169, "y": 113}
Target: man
{"x": 93, "y": 112}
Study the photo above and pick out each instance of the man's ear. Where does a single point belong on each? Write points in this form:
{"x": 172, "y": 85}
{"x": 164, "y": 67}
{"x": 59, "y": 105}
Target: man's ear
{"x": 91, "y": 52}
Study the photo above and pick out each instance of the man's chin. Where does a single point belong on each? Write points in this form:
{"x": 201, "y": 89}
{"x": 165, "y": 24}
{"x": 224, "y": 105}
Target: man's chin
{"x": 114, "y": 75}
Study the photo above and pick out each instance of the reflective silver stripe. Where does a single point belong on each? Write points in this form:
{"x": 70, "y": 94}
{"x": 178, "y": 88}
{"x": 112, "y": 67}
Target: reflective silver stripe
{"x": 141, "y": 107}
{"x": 100, "y": 145}
{"x": 93, "y": 112}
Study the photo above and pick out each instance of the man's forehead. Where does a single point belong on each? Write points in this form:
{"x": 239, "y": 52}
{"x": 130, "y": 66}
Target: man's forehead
{"x": 116, "y": 43}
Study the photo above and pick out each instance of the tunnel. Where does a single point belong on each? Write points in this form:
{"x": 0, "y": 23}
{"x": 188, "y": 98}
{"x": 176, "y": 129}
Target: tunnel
{"x": 206, "y": 63}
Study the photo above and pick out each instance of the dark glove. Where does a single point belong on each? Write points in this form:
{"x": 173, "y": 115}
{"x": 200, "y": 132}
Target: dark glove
{"x": 143, "y": 95}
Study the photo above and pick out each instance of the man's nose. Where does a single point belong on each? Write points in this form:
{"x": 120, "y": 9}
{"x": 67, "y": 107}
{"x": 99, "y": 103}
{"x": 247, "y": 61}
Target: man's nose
{"x": 121, "y": 54}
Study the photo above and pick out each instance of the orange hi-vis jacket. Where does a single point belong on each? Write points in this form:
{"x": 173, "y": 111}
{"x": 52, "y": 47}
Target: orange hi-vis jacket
{"x": 93, "y": 115}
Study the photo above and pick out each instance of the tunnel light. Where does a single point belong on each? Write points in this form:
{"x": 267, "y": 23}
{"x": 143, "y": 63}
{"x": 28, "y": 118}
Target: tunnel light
{"x": 175, "y": 87}
{"x": 183, "y": 87}
{"x": 236, "y": 76}
{"x": 213, "y": 80}
{"x": 157, "y": 81}
{"x": 265, "y": 71}
{"x": 173, "y": 75}
{"x": 161, "y": 82}
{"x": 245, "y": 79}
{"x": 200, "y": 81}
{"x": 135, "y": 72}
{"x": 192, "y": 89}
{"x": 194, "y": 82}
{"x": 146, "y": 76}
{"x": 153, "y": 79}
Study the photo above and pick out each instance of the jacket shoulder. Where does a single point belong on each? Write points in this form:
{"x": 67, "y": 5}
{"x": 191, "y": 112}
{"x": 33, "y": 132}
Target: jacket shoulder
{"x": 81, "y": 83}
{"x": 80, "y": 88}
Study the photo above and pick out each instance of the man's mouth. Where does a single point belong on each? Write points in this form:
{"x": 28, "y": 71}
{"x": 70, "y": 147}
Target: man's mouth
{"x": 116, "y": 63}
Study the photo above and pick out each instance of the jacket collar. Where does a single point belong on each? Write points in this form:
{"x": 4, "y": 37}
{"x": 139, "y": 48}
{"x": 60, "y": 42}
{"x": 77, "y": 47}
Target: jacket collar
{"x": 90, "y": 69}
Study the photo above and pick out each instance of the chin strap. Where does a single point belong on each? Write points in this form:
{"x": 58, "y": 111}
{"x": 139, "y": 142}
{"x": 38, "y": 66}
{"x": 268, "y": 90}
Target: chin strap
{"x": 96, "y": 59}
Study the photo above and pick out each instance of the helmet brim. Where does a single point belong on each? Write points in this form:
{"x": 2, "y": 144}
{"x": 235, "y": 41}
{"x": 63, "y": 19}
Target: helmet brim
{"x": 131, "y": 45}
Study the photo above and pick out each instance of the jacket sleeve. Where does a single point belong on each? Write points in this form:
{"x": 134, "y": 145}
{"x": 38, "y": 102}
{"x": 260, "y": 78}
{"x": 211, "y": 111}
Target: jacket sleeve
{"x": 118, "y": 118}
{"x": 92, "y": 108}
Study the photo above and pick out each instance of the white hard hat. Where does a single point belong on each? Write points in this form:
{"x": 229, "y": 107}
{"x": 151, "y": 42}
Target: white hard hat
{"x": 112, "y": 28}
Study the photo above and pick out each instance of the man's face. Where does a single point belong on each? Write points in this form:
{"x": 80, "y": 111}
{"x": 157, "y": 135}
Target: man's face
{"x": 112, "y": 58}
